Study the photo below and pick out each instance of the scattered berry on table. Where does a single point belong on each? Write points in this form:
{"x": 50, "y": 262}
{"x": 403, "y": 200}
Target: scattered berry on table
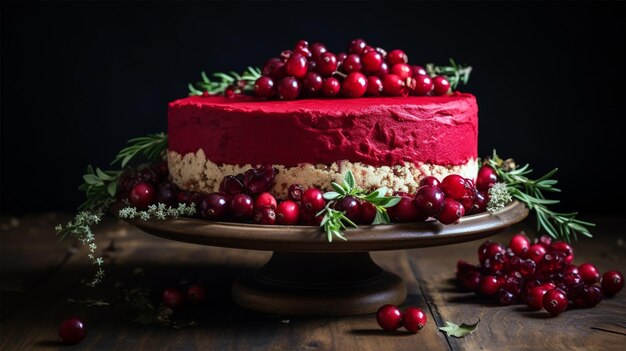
{"x": 72, "y": 331}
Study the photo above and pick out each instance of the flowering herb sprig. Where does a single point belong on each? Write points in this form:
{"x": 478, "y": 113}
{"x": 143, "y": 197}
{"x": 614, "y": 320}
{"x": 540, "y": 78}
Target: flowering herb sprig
{"x": 518, "y": 186}
{"x": 455, "y": 73}
{"x": 334, "y": 221}
{"x": 159, "y": 211}
{"x": 237, "y": 83}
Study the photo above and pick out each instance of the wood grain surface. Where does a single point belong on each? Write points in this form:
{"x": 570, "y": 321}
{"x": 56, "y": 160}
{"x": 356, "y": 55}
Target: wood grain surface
{"x": 38, "y": 276}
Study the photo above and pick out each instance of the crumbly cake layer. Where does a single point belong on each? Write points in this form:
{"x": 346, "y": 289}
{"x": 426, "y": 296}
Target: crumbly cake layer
{"x": 193, "y": 171}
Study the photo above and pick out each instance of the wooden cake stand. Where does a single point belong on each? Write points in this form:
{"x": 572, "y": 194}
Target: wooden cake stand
{"x": 308, "y": 276}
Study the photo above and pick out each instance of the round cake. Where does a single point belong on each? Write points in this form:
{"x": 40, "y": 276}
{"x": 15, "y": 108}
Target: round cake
{"x": 384, "y": 141}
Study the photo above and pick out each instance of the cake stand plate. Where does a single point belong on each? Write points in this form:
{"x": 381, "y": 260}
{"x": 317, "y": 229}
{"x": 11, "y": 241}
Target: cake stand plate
{"x": 309, "y": 276}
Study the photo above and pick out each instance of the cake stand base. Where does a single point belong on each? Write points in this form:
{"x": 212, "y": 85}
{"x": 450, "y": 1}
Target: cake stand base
{"x": 319, "y": 284}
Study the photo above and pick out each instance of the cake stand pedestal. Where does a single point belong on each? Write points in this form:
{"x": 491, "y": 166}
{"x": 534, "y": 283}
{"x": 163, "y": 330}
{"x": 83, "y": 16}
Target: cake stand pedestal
{"x": 308, "y": 276}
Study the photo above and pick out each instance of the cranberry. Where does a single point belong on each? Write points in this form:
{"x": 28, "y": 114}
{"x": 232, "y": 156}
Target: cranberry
{"x": 355, "y": 85}
{"x": 371, "y": 61}
{"x": 367, "y": 49}
{"x": 422, "y": 85}
{"x": 356, "y": 46}
{"x": 441, "y": 85}
{"x": 288, "y": 88}
{"x": 326, "y": 64}
{"x": 589, "y": 273}
{"x": 331, "y": 87}
{"x": 534, "y": 298}
{"x": 264, "y": 87}
{"x": 232, "y": 185}
{"x": 295, "y": 192}
{"x": 374, "y": 86}
{"x": 591, "y": 296}
{"x": 429, "y": 200}
{"x": 368, "y": 213}
{"x": 536, "y": 252}
{"x": 352, "y": 63}
{"x": 303, "y": 51}
{"x": 505, "y": 298}
{"x": 312, "y": 83}
{"x": 184, "y": 197}
{"x": 72, "y": 331}
{"x": 402, "y": 70}
{"x": 172, "y": 298}
{"x": 555, "y": 301}
{"x": 351, "y": 207}
{"x": 405, "y": 211}
{"x": 430, "y": 180}
{"x": 489, "y": 249}
{"x": 382, "y": 71}
{"x": 464, "y": 266}
{"x": 393, "y": 85}
{"x": 196, "y": 293}
{"x": 296, "y": 66}
{"x": 258, "y": 180}
{"x": 468, "y": 200}
{"x": 570, "y": 268}
{"x": 229, "y": 92}
{"x": 454, "y": 186}
{"x": 480, "y": 202}
{"x": 519, "y": 244}
{"x": 396, "y": 56}
{"x": 418, "y": 71}
{"x": 317, "y": 49}
{"x": 142, "y": 195}
{"x": 470, "y": 280}
{"x": 265, "y": 215}
{"x": 544, "y": 241}
{"x": 514, "y": 282}
{"x": 488, "y": 285}
{"x": 313, "y": 201}
{"x": 527, "y": 267}
{"x": 214, "y": 206}
{"x": 612, "y": 282}
{"x": 552, "y": 262}
{"x": 285, "y": 55}
{"x": 270, "y": 65}
{"x": 278, "y": 71}
{"x": 389, "y": 317}
{"x": 413, "y": 319}
{"x": 566, "y": 249}
{"x": 573, "y": 285}
{"x": 167, "y": 193}
{"x": 451, "y": 213}
{"x": 241, "y": 206}
{"x": 287, "y": 212}
{"x": 148, "y": 175}
{"x": 341, "y": 56}
{"x": 265, "y": 200}
{"x": 486, "y": 178}
{"x": 301, "y": 43}
{"x": 382, "y": 52}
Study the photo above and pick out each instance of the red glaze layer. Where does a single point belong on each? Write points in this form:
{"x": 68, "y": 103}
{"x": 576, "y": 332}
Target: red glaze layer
{"x": 376, "y": 131}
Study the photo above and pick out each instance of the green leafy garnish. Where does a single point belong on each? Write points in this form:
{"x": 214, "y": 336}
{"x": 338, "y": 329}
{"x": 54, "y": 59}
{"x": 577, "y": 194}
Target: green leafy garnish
{"x": 238, "y": 83}
{"x": 517, "y": 185}
{"x": 334, "y": 221}
{"x": 455, "y": 73}
{"x": 150, "y": 147}
{"x": 458, "y": 331}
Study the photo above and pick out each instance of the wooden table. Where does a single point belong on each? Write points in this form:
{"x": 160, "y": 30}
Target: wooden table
{"x": 40, "y": 284}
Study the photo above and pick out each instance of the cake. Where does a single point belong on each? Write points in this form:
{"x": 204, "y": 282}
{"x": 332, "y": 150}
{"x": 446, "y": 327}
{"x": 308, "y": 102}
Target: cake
{"x": 385, "y": 141}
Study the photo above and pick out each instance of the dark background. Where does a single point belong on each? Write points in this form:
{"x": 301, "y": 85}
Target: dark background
{"x": 79, "y": 79}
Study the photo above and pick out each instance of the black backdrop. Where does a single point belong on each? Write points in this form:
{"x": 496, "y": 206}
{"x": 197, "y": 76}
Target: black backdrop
{"x": 79, "y": 79}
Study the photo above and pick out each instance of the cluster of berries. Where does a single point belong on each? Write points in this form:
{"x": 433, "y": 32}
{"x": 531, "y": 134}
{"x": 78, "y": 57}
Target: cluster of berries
{"x": 148, "y": 185}
{"x": 311, "y": 70}
{"x": 539, "y": 274}
{"x": 390, "y": 318}
{"x": 174, "y": 297}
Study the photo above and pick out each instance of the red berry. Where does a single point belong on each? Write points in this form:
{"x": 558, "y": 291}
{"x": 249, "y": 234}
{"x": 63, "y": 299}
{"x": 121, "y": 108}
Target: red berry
{"x": 393, "y": 85}
{"x": 214, "y": 206}
{"x": 287, "y": 212}
{"x": 278, "y": 71}
{"x": 172, "y": 298}
{"x": 565, "y": 248}
{"x": 301, "y": 43}
{"x": 351, "y": 207}
{"x": 331, "y": 87}
{"x": 285, "y": 55}
{"x": 505, "y": 298}
{"x": 422, "y": 85}
{"x": 72, "y": 331}
{"x": 612, "y": 282}
{"x": 296, "y": 66}
{"x": 326, "y": 64}
{"x": 374, "y": 86}
{"x": 232, "y": 185}
{"x": 288, "y": 88}
{"x": 396, "y": 56}
{"x": 265, "y": 200}
{"x": 167, "y": 193}
{"x": 371, "y": 61}
{"x": 402, "y": 70}
{"x": 480, "y": 202}
{"x": 303, "y": 51}
{"x": 389, "y": 317}
{"x": 413, "y": 319}
{"x": 430, "y": 180}
{"x": 264, "y": 215}
{"x": 368, "y": 213}
{"x": 142, "y": 195}
{"x": 405, "y": 211}
{"x": 486, "y": 178}
{"x": 312, "y": 201}
{"x": 357, "y": 46}
{"x": 382, "y": 71}
{"x": 418, "y": 71}
{"x": 589, "y": 273}
{"x": 341, "y": 56}
{"x": 352, "y": 63}
{"x": 241, "y": 206}
{"x": 573, "y": 285}
{"x": 429, "y": 200}
{"x": 470, "y": 280}
{"x": 545, "y": 241}
{"x": 317, "y": 50}
{"x": 295, "y": 192}
{"x": 454, "y": 186}
{"x": 441, "y": 85}
{"x": 312, "y": 83}
{"x": 451, "y": 213}
{"x": 534, "y": 298}
{"x": 519, "y": 244}
{"x": 488, "y": 285}
{"x": 555, "y": 301}
{"x": 270, "y": 65}
{"x": 591, "y": 296}
{"x": 536, "y": 252}
{"x": 196, "y": 293}
{"x": 264, "y": 87}
{"x": 355, "y": 85}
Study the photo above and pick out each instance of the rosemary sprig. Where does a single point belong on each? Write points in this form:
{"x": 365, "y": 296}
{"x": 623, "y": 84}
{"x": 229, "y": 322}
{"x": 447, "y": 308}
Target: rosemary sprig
{"x": 455, "y": 73}
{"x": 151, "y": 147}
{"x": 238, "y": 83}
{"x": 531, "y": 193}
{"x": 334, "y": 221}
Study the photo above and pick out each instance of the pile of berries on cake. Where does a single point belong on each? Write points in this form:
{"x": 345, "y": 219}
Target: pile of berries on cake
{"x": 246, "y": 197}
{"x": 540, "y": 274}
{"x": 363, "y": 70}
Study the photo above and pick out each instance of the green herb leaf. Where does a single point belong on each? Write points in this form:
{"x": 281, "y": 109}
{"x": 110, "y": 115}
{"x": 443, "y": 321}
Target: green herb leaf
{"x": 238, "y": 83}
{"x": 458, "y": 331}
{"x": 382, "y": 217}
{"x": 349, "y": 180}
{"x": 454, "y": 73}
{"x": 331, "y": 195}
